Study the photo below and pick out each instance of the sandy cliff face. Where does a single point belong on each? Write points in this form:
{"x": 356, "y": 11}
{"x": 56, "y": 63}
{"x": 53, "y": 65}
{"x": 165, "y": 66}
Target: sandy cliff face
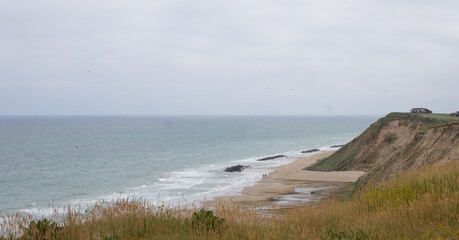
{"x": 400, "y": 146}
{"x": 393, "y": 145}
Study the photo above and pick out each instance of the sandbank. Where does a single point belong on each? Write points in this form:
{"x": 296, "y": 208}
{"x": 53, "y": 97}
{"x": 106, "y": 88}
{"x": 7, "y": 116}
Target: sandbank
{"x": 291, "y": 180}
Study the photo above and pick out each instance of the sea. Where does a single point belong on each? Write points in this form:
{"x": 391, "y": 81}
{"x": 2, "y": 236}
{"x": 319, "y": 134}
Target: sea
{"x": 50, "y": 162}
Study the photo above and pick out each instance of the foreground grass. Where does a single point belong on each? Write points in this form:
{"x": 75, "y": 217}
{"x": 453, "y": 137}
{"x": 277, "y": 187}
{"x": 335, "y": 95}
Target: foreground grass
{"x": 421, "y": 204}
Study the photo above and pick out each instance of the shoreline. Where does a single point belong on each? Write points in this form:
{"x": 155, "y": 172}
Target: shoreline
{"x": 290, "y": 185}
{"x": 183, "y": 202}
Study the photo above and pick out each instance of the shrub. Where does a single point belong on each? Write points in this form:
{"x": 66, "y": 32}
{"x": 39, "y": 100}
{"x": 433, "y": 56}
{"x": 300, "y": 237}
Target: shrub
{"x": 206, "y": 220}
{"x": 42, "y": 229}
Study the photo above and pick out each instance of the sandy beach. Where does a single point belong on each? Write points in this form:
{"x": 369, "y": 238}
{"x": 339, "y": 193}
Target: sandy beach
{"x": 290, "y": 184}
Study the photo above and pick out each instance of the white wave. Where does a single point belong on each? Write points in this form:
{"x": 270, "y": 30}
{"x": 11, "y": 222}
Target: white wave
{"x": 245, "y": 160}
{"x": 190, "y": 187}
{"x": 139, "y": 187}
{"x": 182, "y": 184}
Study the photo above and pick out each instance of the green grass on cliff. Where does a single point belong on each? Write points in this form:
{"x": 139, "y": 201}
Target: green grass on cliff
{"x": 429, "y": 120}
{"x": 420, "y": 204}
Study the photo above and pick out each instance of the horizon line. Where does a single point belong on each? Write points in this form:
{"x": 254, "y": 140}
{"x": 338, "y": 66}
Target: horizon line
{"x": 182, "y": 115}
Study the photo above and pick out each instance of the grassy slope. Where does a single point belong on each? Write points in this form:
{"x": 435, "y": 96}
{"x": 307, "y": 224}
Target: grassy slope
{"x": 379, "y": 155}
{"x": 420, "y": 204}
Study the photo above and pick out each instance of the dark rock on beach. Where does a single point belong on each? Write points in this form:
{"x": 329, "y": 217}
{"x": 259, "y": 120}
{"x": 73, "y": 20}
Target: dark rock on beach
{"x": 270, "y": 158}
{"x": 337, "y": 146}
{"x": 237, "y": 168}
{"x": 311, "y": 151}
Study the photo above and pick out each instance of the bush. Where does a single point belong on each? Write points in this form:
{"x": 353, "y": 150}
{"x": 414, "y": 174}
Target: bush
{"x": 42, "y": 229}
{"x": 206, "y": 220}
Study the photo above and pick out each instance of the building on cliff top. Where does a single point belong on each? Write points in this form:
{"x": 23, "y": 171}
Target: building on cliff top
{"x": 456, "y": 114}
{"x": 420, "y": 110}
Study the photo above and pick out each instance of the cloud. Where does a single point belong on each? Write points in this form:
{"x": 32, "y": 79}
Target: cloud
{"x": 227, "y": 57}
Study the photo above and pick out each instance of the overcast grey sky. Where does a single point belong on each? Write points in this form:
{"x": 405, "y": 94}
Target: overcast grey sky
{"x": 228, "y": 57}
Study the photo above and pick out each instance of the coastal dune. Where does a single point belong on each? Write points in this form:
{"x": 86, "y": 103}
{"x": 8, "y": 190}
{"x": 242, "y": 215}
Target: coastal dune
{"x": 285, "y": 179}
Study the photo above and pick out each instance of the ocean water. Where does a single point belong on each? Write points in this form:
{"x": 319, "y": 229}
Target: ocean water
{"x": 53, "y": 161}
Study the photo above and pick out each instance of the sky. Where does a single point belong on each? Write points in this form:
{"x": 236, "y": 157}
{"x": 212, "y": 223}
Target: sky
{"x": 228, "y": 57}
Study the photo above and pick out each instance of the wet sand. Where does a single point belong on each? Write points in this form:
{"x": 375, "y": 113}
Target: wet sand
{"x": 290, "y": 184}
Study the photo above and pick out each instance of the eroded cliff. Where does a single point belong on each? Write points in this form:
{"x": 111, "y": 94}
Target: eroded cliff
{"x": 397, "y": 143}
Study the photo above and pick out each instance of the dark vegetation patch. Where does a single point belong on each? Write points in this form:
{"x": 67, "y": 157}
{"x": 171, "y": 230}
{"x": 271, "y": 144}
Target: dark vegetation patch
{"x": 390, "y": 137}
{"x": 206, "y": 220}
